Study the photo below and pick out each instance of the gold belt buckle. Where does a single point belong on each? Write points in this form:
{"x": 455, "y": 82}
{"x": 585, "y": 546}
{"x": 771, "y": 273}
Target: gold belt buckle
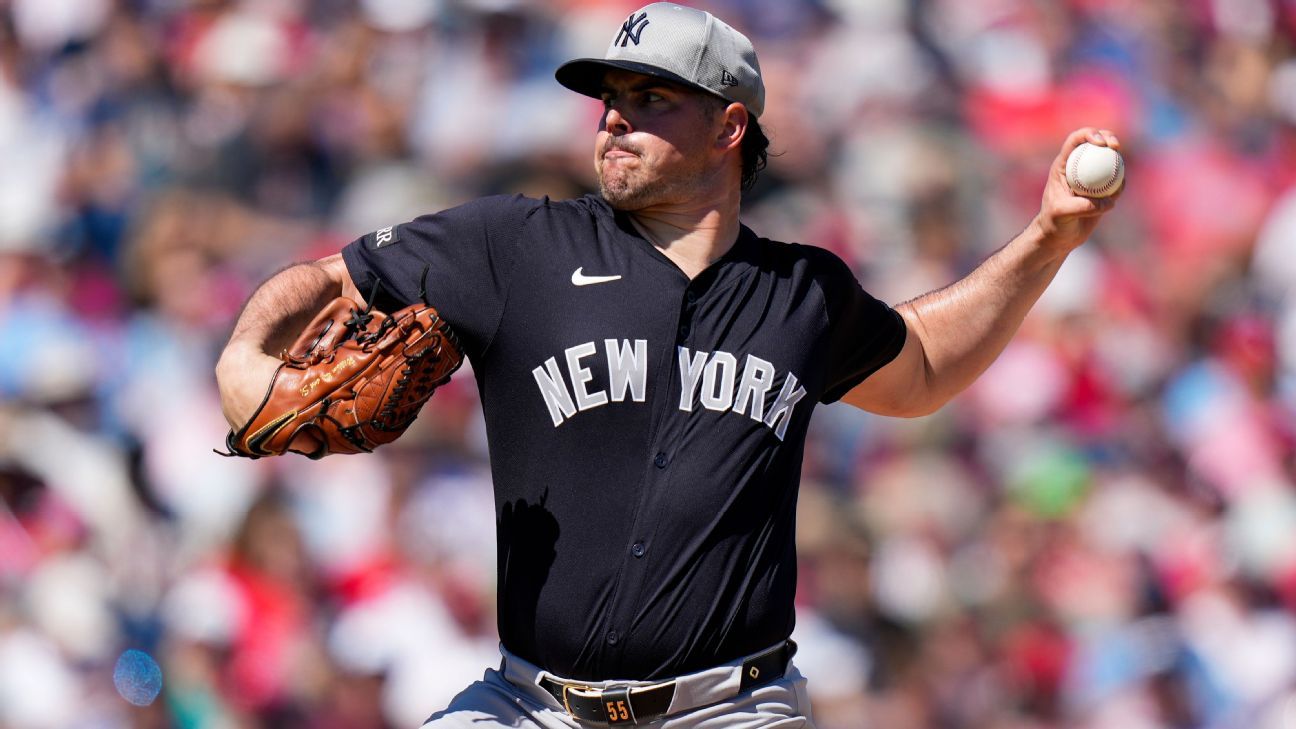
{"x": 576, "y": 687}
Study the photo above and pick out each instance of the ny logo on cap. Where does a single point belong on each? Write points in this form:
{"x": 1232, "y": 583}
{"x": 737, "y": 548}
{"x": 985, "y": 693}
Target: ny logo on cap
{"x": 631, "y": 29}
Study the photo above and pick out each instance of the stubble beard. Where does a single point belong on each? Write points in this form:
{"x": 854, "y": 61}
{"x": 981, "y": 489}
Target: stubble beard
{"x": 623, "y": 191}
{"x": 633, "y": 186}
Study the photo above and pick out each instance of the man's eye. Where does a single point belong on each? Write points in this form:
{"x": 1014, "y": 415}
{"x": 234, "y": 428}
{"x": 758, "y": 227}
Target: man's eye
{"x": 650, "y": 97}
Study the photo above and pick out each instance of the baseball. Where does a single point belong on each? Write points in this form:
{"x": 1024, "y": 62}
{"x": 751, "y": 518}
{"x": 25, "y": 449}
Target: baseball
{"x": 1095, "y": 171}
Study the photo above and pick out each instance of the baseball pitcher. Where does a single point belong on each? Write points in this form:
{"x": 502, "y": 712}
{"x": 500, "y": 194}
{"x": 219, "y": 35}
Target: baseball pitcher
{"x": 648, "y": 367}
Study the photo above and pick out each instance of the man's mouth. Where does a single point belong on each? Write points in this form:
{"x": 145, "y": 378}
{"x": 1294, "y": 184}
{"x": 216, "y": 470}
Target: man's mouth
{"x": 614, "y": 149}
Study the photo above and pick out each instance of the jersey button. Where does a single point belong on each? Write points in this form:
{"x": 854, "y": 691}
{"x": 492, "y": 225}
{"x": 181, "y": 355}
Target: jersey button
{"x": 612, "y": 638}
{"x": 637, "y": 549}
{"x": 661, "y": 460}
{"x": 691, "y": 296}
{"x": 684, "y": 331}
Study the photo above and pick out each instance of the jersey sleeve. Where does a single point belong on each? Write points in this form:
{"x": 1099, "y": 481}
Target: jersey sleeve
{"x": 864, "y": 333}
{"x": 459, "y": 261}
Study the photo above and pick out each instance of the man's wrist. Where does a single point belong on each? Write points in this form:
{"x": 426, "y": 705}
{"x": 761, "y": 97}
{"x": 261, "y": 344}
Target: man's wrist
{"x": 1043, "y": 243}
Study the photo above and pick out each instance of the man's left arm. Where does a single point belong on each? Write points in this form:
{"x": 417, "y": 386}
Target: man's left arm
{"x": 955, "y": 333}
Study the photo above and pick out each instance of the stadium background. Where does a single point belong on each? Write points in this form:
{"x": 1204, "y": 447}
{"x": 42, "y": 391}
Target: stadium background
{"x": 1101, "y": 533}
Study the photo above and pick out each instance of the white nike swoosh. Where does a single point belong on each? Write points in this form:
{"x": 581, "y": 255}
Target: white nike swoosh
{"x": 580, "y": 279}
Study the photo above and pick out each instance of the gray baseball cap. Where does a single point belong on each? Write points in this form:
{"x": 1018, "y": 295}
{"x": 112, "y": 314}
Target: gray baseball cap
{"x": 685, "y": 45}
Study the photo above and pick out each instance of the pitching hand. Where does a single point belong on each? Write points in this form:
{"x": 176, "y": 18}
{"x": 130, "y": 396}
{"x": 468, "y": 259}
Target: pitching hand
{"x": 1066, "y": 219}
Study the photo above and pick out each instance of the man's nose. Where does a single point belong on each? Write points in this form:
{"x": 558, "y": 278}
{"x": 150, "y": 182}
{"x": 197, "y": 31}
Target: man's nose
{"x": 615, "y": 122}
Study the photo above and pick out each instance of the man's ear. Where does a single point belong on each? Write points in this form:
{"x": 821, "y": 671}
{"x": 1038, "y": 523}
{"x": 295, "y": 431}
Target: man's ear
{"x": 734, "y": 127}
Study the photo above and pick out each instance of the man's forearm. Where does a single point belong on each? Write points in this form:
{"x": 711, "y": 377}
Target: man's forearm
{"x": 271, "y": 320}
{"x": 965, "y": 326}
{"x": 956, "y": 332}
{"x": 281, "y": 307}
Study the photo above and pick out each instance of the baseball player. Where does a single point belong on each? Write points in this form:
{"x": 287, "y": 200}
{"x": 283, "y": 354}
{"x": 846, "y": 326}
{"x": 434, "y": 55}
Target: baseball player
{"x": 648, "y": 367}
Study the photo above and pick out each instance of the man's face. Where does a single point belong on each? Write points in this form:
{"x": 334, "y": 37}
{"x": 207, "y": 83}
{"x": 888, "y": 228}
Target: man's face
{"x": 654, "y": 144}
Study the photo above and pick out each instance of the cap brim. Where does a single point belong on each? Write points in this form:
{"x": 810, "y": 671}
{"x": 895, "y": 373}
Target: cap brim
{"x": 585, "y": 75}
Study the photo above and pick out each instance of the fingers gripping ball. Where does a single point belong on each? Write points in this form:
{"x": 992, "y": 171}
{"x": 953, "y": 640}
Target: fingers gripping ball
{"x": 354, "y": 380}
{"x": 1094, "y": 171}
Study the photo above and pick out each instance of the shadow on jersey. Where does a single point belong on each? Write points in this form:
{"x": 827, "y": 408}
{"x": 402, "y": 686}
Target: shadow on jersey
{"x": 526, "y": 562}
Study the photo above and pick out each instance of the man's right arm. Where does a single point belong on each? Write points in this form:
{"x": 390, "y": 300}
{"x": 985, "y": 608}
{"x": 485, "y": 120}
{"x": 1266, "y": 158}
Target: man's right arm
{"x": 271, "y": 320}
{"x": 955, "y": 333}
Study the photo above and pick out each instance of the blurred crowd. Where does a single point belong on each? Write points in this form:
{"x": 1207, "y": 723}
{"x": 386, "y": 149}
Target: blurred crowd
{"x": 1101, "y": 533}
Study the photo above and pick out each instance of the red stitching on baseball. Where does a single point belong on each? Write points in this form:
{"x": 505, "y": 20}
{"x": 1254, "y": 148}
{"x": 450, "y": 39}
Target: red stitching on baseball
{"x": 1074, "y": 173}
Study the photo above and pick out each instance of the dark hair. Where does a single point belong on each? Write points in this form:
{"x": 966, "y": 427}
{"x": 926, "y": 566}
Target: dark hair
{"x": 755, "y": 153}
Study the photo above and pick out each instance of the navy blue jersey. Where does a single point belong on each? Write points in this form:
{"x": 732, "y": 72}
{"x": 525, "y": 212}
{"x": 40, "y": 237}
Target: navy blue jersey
{"x": 645, "y": 430}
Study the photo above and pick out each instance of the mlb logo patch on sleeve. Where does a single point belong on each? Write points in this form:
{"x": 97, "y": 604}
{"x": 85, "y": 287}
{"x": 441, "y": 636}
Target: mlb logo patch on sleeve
{"x": 384, "y": 237}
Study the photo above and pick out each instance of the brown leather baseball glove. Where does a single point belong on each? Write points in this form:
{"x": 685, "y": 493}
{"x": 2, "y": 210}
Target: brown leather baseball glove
{"x": 354, "y": 380}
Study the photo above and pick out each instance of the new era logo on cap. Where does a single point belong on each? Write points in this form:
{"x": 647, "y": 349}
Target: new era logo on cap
{"x": 686, "y": 45}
